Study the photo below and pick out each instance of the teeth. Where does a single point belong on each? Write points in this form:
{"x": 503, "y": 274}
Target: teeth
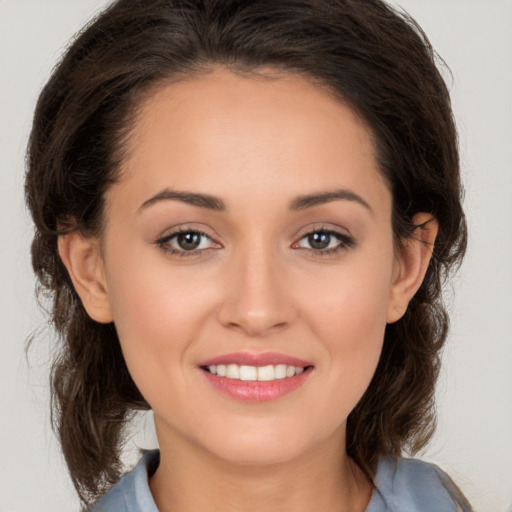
{"x": 253, "y": 373}
{"x": 233, "y": 371}
{"x": 266, "y": 373}
{"x": 248, "y": 373}
{"x": 280, "y": 370}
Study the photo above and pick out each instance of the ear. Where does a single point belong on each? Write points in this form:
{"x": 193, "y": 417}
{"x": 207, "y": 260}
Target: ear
{"x": 82, "y": 258}
{"x": 411, "y": 263}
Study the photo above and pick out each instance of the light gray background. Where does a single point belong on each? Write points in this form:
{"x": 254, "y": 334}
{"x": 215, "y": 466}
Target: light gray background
{"x": 474, "y": 440}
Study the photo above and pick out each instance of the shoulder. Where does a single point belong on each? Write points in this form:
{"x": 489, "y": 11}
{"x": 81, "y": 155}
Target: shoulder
{"x": 410, "y": 485}
{"x": 131, "y": 493}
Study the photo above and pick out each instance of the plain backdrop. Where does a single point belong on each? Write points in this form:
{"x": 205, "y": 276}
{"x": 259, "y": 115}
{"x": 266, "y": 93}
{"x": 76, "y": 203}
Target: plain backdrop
{"x": 474, "y": 438}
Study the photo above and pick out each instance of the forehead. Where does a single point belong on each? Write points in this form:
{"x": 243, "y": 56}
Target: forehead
{"x": 276, "y": 135}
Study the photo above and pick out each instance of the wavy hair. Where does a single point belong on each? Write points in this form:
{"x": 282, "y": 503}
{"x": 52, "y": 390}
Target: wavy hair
{"x": 375, "y": 59}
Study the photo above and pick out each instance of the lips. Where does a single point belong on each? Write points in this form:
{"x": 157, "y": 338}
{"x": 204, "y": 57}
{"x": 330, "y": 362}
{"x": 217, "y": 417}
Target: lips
{"x": 253, "y": 377}
{"x": 252, "y": 373}
{"x": 252, "y": 359}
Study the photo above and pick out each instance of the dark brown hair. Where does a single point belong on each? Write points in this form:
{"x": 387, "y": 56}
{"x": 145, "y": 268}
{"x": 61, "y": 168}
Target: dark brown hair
{"x": 375, "y": 59}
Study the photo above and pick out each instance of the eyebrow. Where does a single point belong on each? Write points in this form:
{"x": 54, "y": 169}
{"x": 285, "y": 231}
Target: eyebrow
{"x": 214, "y": 203}
{"x": 192, "y": 198}
{"x": 310, "y": 200}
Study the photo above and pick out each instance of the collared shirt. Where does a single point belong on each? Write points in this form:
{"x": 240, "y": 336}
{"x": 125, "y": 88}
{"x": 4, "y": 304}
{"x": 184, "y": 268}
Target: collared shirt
{"x": 401, "y": 485}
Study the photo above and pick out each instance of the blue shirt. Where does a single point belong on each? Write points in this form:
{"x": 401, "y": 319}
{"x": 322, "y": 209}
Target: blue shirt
{"x": 401, "y": 485}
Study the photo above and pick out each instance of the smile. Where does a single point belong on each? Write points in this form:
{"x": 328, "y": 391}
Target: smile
{"x": 255, "y": 373}
{"x": 250, "y": 377}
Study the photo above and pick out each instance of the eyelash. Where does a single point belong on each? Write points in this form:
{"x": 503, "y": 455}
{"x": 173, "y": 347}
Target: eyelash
{"x": 345, "y": 242}
{"x": 163, "y": 243}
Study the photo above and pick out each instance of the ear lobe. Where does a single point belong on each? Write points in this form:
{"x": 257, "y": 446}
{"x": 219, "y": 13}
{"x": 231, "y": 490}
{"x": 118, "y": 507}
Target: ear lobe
{"x": 82, "y": 258}
{"x": 411, "y": 265}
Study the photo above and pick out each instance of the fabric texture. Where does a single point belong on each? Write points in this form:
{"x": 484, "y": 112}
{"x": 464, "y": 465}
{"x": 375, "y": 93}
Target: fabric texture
{"x": 401, "y": 485}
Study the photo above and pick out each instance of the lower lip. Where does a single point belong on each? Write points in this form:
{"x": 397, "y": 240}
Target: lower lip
{"x": 257, "y": 391}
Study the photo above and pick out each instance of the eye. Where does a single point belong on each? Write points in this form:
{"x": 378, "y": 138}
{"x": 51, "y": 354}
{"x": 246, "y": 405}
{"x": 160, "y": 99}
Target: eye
{"x": 325, "y": 241}
{"x": 186, "y": 242}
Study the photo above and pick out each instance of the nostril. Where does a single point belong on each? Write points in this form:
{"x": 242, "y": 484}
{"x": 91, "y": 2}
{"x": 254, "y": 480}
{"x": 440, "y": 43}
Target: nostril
{"x": 256, "y": 318}
{"x": 257, "y": 328}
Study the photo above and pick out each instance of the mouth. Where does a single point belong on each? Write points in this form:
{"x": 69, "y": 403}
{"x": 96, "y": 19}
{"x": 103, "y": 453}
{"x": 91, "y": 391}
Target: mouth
{"x": 248, "y": 373}
{"x": 256, "y": 377}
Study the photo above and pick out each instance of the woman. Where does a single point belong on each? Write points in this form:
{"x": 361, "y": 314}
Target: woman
{"x": 245, "y": 211}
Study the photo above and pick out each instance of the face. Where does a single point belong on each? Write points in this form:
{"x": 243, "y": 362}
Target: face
{"x": 248, "y": 261}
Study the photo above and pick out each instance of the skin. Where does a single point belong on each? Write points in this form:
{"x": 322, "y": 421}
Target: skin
{"x": 256, "y": 285}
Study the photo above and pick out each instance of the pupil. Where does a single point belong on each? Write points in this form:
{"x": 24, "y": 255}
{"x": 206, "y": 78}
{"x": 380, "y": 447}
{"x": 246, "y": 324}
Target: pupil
{"x": 319, "y": 240}
{"x": 189, "y": 241}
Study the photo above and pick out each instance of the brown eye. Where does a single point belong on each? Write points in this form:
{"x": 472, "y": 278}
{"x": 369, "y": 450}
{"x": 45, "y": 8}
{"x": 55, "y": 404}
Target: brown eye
{"x": 320, "y": 240}
{"x": 188, "y": 241}
{"x": 324, "y": 242}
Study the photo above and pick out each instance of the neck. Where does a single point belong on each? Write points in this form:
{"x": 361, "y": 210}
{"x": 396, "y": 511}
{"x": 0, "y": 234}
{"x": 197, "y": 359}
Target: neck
{"x": 188, "y": 479}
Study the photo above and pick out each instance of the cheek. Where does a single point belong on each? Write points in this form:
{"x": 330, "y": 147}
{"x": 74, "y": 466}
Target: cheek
{"x": 156, "y": 317}
{"x": 149, "y": 296}
{"x": 350, "y": 308}
{"x": 349, "y": 317}
{"x": 353, "y": 333}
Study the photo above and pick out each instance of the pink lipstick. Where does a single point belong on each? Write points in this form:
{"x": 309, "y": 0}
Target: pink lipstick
{"x": 254, "y": 377}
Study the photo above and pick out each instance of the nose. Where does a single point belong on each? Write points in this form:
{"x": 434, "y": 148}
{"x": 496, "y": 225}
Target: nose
{"x": 258, "y": 299}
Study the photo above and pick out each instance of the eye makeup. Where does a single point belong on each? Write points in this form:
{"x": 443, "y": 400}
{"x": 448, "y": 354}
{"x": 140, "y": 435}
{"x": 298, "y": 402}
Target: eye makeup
{"x": 187, "y": 242}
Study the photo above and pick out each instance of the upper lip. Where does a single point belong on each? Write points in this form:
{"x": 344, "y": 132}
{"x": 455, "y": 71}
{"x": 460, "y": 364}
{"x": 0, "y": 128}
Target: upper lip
{"x": 255, "y": 359}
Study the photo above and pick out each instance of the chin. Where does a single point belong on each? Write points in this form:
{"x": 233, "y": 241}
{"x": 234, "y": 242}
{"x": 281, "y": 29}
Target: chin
{"x": 265, "y": 446}
{"x": 260, "y": 454}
